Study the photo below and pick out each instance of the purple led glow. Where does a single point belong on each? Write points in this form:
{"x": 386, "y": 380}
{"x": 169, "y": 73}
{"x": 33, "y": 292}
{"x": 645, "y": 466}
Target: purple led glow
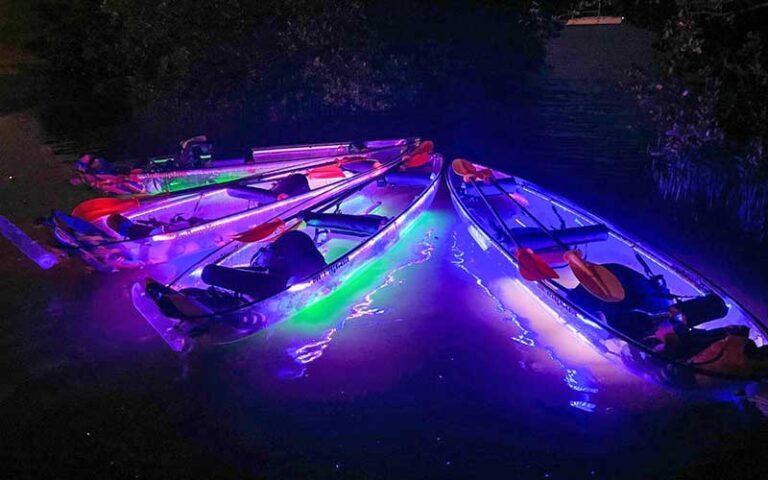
{"x": 226, "y": 217}
{"x": 304, "y": 293}
{"x": 584, "y": 325}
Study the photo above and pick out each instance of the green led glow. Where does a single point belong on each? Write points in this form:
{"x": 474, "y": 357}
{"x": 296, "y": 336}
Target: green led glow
{"x": 183, "y": 183}
{"x": 327, "y": 310}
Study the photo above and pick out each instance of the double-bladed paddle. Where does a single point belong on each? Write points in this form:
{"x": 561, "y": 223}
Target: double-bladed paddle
{"x": 532, "y": 267}
{"x": 419, "y": 157}
{"x": 596, "y": 279}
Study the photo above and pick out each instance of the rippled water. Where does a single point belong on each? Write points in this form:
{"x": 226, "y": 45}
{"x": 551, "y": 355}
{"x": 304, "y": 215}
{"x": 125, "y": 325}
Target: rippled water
{"x": 428, "y": 363}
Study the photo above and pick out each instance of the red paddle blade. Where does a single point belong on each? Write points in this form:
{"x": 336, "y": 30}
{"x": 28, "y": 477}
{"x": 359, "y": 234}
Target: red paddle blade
{"x": 260, "y": 232}
{"x": 98, "y": 207}
{"x": 532, "y": 267}
{"x": 420, "y": 155}
{"x": 424, "y": 147}
{"x": 326, "y": 171}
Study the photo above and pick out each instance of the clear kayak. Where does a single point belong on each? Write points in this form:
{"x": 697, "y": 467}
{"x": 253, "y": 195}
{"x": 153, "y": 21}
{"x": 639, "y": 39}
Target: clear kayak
{"x": 167, "y": 174}
{"x": 631, "y": 302}
{"x": 111, "y": 233}
{"x": 245, "y": 286}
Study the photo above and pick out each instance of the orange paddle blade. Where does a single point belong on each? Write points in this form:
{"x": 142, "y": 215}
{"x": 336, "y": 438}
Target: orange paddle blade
{"x": 326, "y": 171}
{"x": 596, "y": 279}
{"x": 532, "y": 267}
{"x": 260, "y": 232}
{"x": 420, "y": 155}
{"x": 464, "y": 168}
{"x": 98, "y": 207}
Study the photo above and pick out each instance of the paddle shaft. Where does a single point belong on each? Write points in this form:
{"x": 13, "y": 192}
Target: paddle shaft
{"x": 531, "y": 216}
{"x": 335, "y": 200}
{"x": 495, "y": 213}
{"x": 590, "y": 271}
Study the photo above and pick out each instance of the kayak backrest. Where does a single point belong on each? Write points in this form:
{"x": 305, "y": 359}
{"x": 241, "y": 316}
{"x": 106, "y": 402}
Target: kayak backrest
{"x": 408, "y": 178}
{"x": 260, "y": 195}
{"x": 291, "y": 185}
{"x": 538, "y": 240}
{"x": 357, "y": 225}
{"x": 359, "y": 166}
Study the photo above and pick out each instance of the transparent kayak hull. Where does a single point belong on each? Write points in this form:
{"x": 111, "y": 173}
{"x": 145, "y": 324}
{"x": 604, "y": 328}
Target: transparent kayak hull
{"x": 192, "y": 222}
{"x": 617, "y": 247}
{"x": 401, "y": 205}
{"x": 222, "y": 171}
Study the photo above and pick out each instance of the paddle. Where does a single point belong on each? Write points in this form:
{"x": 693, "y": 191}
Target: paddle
{"x": 531, "y": 266}
{"x": 596, "y": 279}
{"x": 420, "y": 156}
{"x": 94, "y": 208}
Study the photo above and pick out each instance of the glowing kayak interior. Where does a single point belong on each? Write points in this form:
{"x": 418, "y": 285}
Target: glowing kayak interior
{"x": 605, "y": 324}
{"x": 165, "y": 227}
{"x": 243, "y": 287}
{"x": 165, "y": 176}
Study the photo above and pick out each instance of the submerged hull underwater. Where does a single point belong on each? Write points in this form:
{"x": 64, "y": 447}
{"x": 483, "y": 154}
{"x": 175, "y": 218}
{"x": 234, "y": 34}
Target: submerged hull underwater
{"x": 606, "y": 245}
{"x": 400, "y": 200}
{"x": 202, "y": 219}
{"x": 224, "y": 170}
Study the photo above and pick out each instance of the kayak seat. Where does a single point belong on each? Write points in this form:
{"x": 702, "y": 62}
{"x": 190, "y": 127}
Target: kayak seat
{"x": 127, "y": 228}
{"x": 508, "y": 184}
{"x": 357, "y": 225}
{"x": 359, "y": 166}
{"x": 289, "y": 186}
{"x": 641, "y": 293}
{"x": 536, "y": 239}
{"x": 408, "y": 178}
{"x": 259, "y": 195}
{"x": 702, "y": 309}
{"x": 255, "y": 282}
{"x": 292, "y": 185}
{"x": 292, "y": 257}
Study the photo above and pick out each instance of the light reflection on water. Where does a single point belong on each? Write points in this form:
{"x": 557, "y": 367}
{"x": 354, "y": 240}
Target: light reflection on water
{"x": 407, "y": 254}
{"x": 579, "y": 380}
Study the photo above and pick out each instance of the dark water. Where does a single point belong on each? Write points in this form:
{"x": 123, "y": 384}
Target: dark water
{"x": 428, "y": 364}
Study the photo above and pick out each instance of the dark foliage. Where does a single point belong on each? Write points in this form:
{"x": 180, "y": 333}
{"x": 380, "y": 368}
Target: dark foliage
{"x": 707, "y": 98}
{"x": 207, "y": 66}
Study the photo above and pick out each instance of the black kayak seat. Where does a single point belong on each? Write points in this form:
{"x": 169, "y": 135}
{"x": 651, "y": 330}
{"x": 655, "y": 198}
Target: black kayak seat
{"x": 641, "y": 294}
{"x": 260, "y": 195}
{"x": 294, "y": 256}
{"x": 508, "y": 184}
{"x": 257, "y": 283}
{"x": 289, "y": 186}
{"x": 408, "y": 178}
{"x": 359, "y": 166}
{"x": 702, "y": 309}
{"x": 127, "y": 228}
{"x": 536, "y": 239}
{"x": 357, "y": 225}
